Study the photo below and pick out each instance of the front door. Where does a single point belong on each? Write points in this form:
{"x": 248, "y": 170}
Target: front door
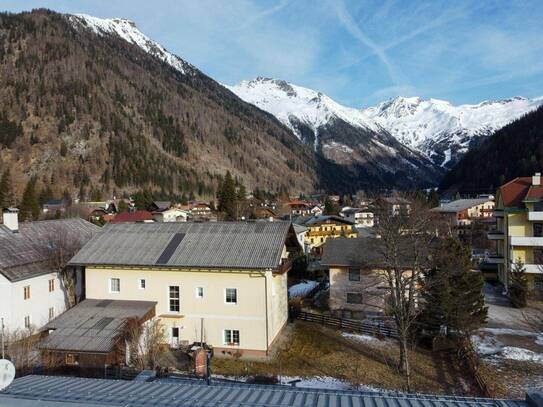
{"x": 175, "y": 337}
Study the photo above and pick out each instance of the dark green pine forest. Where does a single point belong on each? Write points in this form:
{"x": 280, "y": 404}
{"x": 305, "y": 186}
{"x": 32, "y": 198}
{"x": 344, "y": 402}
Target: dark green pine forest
{"x": 513, "y": 151}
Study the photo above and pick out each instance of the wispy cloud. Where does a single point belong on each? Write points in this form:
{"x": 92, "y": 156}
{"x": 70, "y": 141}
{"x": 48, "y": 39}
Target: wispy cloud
{"x": 358, "y": 52}
{"x": 350, "y": 25}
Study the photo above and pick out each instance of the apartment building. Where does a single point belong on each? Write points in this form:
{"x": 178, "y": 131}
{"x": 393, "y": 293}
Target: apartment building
{"x": 322, "y": 228}
{"x": 31, "y": 289}
{"x": 221, "y": 282}
{"x": 519, "y": 229}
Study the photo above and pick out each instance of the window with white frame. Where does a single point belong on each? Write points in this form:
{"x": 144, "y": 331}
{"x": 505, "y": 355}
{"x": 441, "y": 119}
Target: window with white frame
{"x": 199, "y": 292}
{"x": 51, "y": 285}
{"x": 27, "y": 321}
{"x": 174, "y": 298}
{"x": 142, "y": 284}
{"x": 51, "y": 313}
{"x": 115, "y": 285}
{"x": 231, "y": 295}
{"x": 231, "y": 337}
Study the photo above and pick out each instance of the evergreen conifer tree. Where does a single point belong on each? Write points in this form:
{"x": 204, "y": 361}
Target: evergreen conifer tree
{"x": 518, "y": 286}
{"x": 452, "y": 293}
{"x": 30, "y": 206}
{"x": 227, "y": 197}
{"x": 7, "y": 197}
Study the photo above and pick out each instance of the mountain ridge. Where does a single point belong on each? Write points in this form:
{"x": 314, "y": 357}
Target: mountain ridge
{"x": 436, "y": 128}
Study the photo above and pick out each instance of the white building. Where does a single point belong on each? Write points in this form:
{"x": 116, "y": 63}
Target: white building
{"x": 171, "y": 215}
{"x": 362, "y": 218}
{"x": 31, "y": 292}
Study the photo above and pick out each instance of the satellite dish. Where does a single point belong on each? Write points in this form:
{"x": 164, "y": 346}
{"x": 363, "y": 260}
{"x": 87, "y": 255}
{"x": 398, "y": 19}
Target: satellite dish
{"x": 7, "y": 373}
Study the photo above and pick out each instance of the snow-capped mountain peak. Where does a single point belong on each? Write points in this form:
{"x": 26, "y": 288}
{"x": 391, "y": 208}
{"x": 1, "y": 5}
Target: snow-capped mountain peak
{"x": 293, "y": 104}
{"x": 128, "y": 31}
{"x": 437, "y": 128}
{"x": 443, "y": 131}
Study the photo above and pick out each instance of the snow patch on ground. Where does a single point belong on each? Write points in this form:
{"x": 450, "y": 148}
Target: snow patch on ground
{"x": 313, "y": 382}
{"x": 326, "y": 382}
{"x": 508, "y": 331}
{"x": 302, "y": 289}
{"x": 521, "y": 354}
{"x": 487, "y": 344}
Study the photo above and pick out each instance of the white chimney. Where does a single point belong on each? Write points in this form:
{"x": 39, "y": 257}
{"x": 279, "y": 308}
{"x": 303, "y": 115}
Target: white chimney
{"x": 11, "y": 219}
{"x": 536, "y": 179}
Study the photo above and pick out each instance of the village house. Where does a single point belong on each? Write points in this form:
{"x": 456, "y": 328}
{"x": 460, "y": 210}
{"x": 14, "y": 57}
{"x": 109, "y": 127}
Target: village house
{"x": 300, "y": 236}
{"x": 396, "y": 205}
{"x": 225, "y": 282}
{"x": 298, "y": 207}
{"x": 322, "y": 228}
{"x": 519, "y": 230}
{"x": 462, "y": 213}
{"x": 357, "y": 287}
{"x": 201, "y": 211}
{"x": 362, "y": 218}
{"x": 31, "y": 289}
{"x": 171, "y": 215}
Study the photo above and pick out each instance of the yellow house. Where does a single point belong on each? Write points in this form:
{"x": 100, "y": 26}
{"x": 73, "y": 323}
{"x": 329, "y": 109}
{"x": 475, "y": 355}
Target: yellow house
{"x": 223, "y": 283}
{"x": 519, "y": 229}
{"x": 322, "y": 228}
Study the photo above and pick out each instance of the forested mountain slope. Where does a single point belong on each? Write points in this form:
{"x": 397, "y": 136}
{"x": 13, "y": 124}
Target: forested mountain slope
{"x": 513, "y": 151}
{"x": 87, "y": 108}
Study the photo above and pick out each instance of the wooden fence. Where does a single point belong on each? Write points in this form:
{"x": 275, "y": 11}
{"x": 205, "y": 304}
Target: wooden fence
{"x": 377, "y": 327}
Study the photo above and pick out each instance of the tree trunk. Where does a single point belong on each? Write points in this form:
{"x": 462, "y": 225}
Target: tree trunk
{"x": 404, "y": 362}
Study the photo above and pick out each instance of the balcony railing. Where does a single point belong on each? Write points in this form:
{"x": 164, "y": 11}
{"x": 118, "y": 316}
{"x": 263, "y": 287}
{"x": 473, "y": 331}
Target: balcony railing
{"x": 526, "y": 241}
{"x": 533, "y": 268}
{"x": 535, "y": 216}
{"x": 329, "y": 233}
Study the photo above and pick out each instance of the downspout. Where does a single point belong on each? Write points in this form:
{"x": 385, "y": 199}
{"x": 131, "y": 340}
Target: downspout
{"x": 266, "y": 299}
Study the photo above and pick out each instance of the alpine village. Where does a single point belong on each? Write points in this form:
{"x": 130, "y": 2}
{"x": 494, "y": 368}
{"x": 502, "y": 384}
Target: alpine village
{"x": 168, "y": 240}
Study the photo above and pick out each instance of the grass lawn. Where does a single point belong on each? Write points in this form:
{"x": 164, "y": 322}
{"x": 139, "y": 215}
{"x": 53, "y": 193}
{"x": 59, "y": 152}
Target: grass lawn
{"x": 314, "y": 350}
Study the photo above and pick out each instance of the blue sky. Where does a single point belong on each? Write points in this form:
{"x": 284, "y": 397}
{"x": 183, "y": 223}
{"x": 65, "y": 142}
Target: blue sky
{"x": 358, "y": 52}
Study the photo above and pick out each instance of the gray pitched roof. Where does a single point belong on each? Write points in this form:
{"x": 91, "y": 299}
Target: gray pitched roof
{"x": 360, "y": 252}
{"x": 24, "y": 254}
{"x": 92, "y": 325}
{"x": 189, "y": 393}
{"x": 460, "y": 205}
{"x": 247, "y": 245}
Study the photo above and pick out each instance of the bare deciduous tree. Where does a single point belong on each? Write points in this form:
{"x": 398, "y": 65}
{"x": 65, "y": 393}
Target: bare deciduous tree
{"x": 143, "y": 341}
{"x": 58, "y": 246}
{"x": 405, "y": 241}
{"x": 22, "y": 349}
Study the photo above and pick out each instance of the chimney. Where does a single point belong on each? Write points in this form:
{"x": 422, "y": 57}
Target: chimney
{"x": 11, "y": 219}
{"x": 536, "y": 179}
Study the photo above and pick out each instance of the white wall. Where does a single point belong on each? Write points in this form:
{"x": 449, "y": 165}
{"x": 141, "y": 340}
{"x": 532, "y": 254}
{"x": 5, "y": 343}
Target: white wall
{"x": 14, "y": 308}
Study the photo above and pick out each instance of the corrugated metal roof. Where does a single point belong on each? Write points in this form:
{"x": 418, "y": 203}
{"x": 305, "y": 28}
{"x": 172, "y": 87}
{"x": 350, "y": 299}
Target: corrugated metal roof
{"x": 191, "y": 393}
{"x": 247, "y": 245}
{"x": 91, "y": 326}
{"x": 24, "y": 254}
{"x": 460, "y": 205}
